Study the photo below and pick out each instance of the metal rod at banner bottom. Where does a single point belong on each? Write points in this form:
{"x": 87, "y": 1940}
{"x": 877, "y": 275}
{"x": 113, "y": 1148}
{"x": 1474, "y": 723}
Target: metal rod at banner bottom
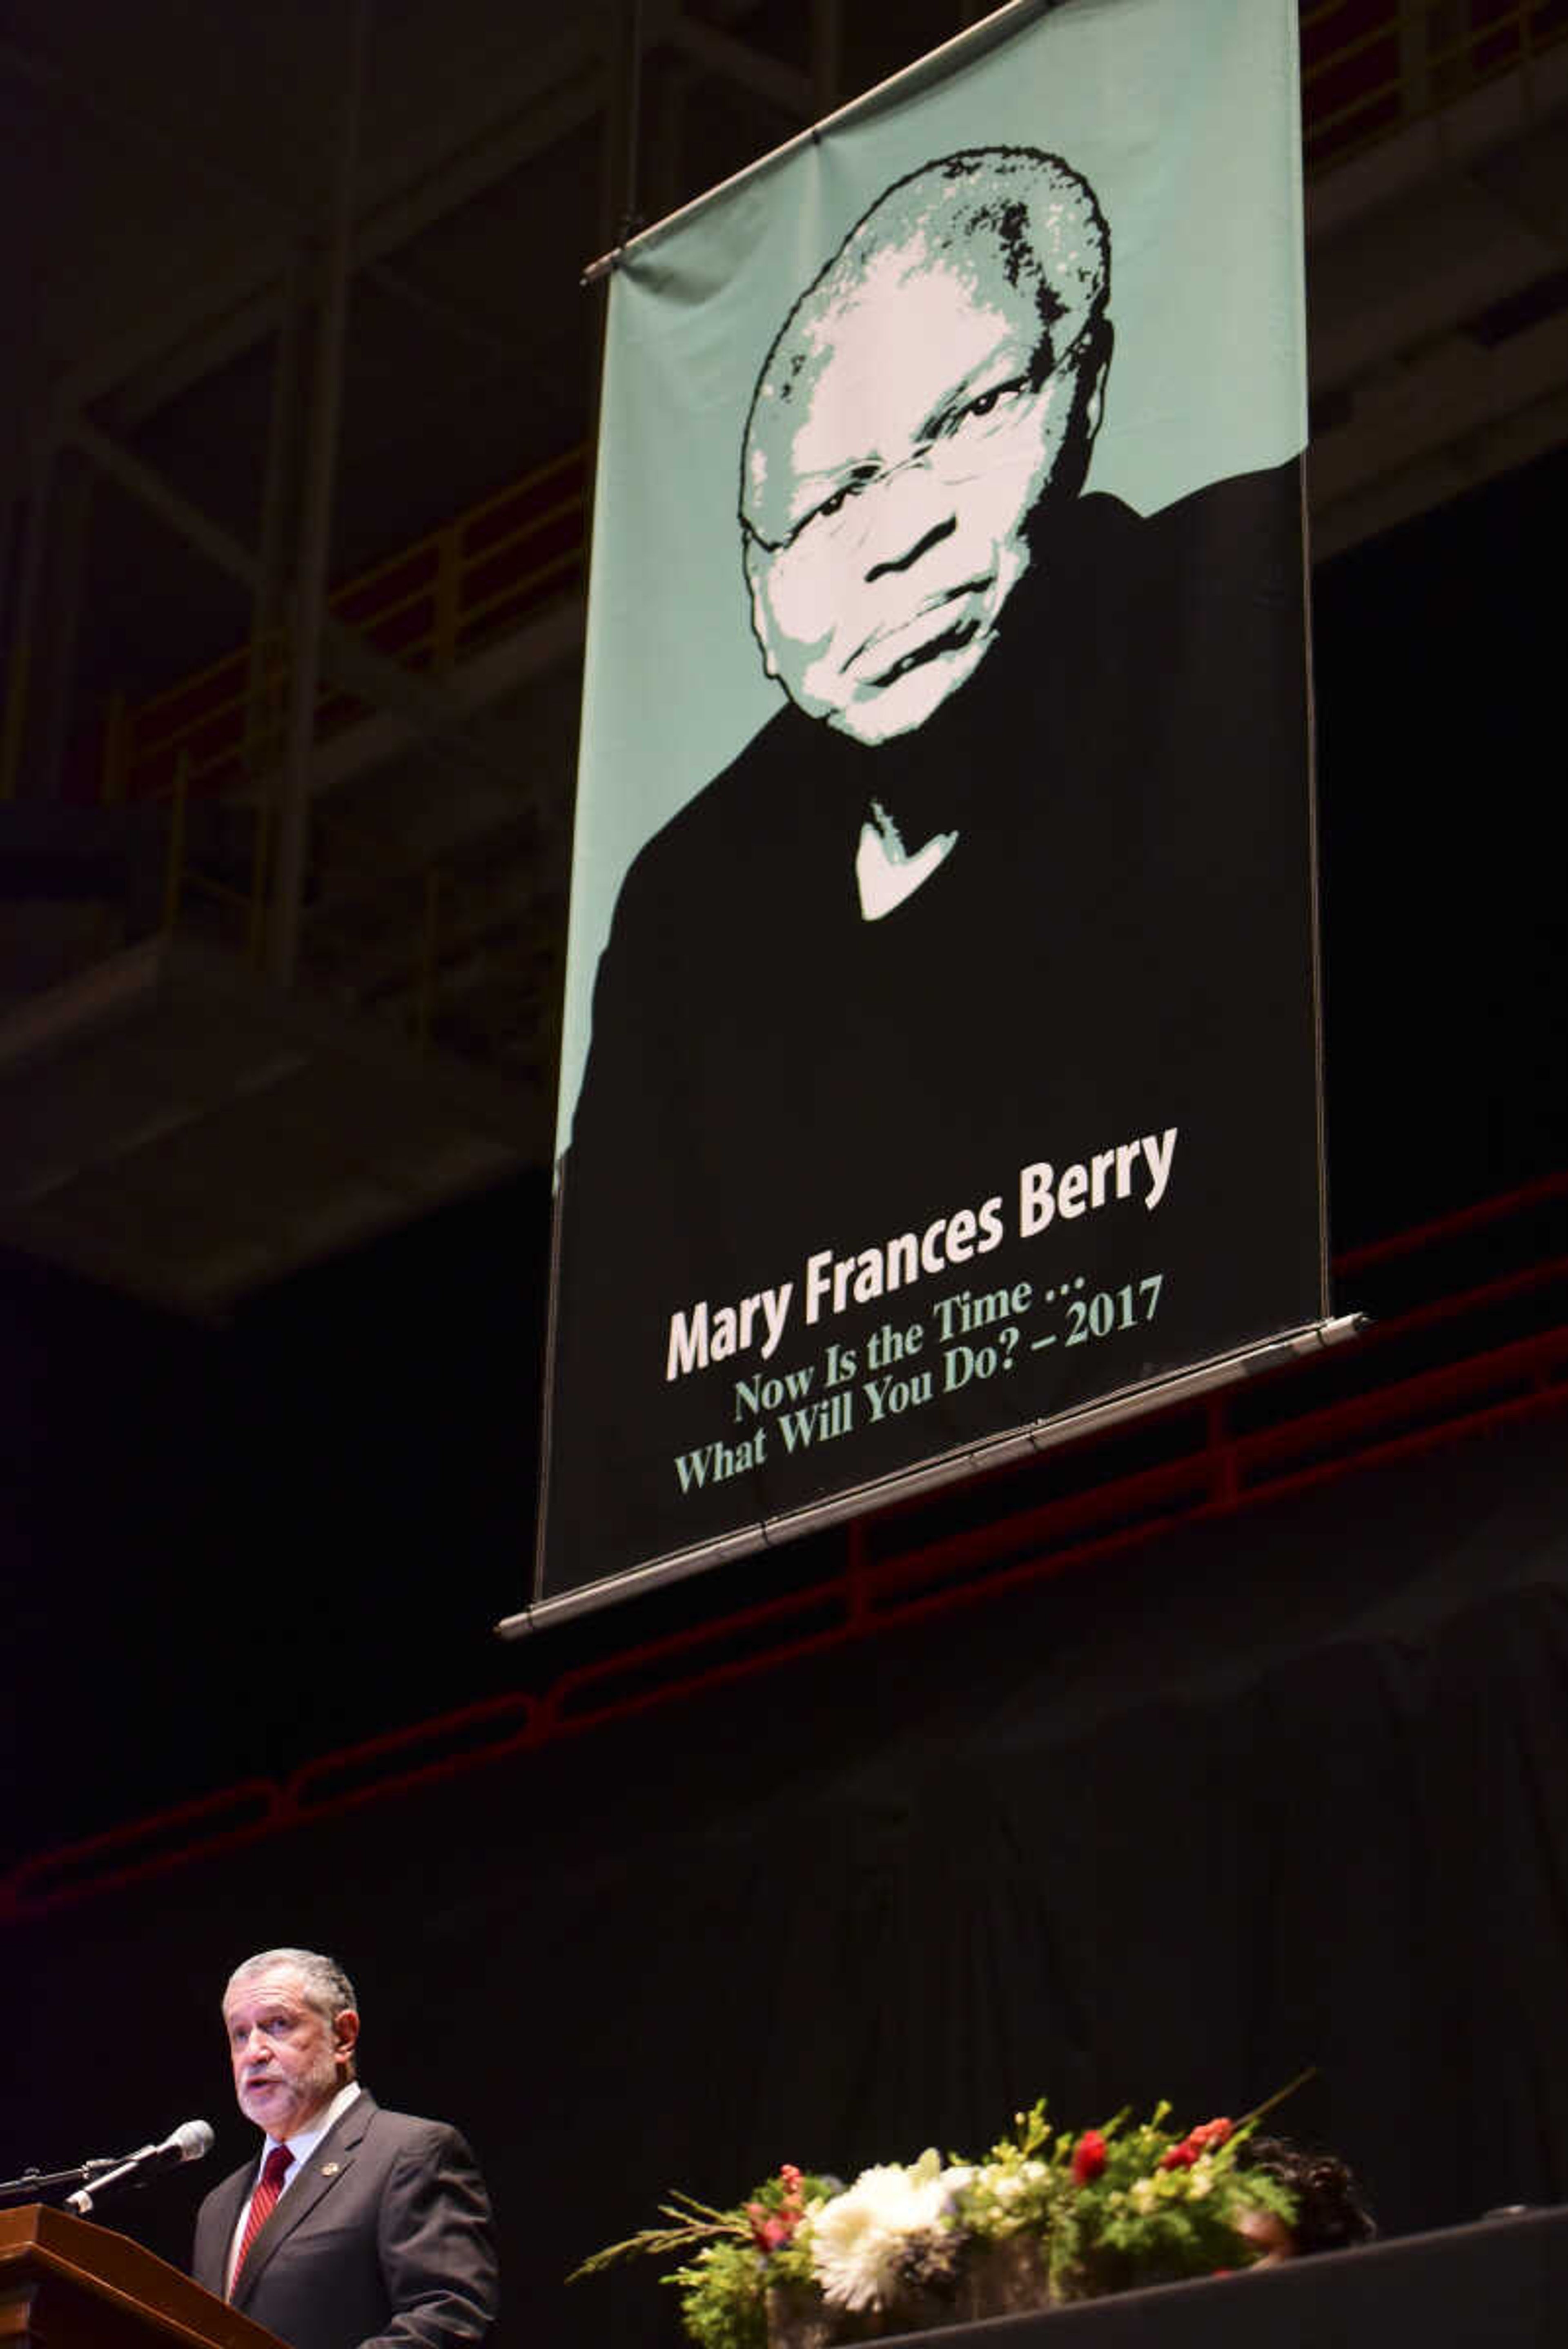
{"x": 947, "y": 1468}
{"x": 991, "y": 29}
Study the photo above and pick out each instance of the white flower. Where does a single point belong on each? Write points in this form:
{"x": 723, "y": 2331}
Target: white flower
{"x": 1200, "y": 2178}
{"x": 1143, "y": 2194}
{"x": 856, "y": 2238}
{"x": 1004, "y": 2185}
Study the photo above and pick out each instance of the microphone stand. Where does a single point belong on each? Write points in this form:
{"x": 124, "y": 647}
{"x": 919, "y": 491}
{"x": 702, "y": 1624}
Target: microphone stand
{"x": 33, "y": 2183}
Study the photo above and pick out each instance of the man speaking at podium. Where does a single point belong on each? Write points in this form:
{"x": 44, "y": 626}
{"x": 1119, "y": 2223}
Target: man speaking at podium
{"x": 354, "y": 2227}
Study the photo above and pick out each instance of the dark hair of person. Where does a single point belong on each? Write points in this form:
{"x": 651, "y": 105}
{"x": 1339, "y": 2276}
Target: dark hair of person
{"x": 1330, "y": 2214}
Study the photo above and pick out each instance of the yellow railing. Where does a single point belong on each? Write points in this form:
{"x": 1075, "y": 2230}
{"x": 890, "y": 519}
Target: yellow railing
{"x": 1371, "y": 67}
{"x": 183, "y": 878}
{"x": 426, "y": 606}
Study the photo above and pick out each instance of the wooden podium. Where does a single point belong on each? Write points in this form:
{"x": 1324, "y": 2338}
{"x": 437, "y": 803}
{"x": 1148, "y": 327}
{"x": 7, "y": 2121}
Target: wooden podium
{"x": 68, "y": 2284}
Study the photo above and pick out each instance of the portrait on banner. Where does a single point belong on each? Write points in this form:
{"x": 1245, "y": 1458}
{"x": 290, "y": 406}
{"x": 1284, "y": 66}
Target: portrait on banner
{"x": 951, "y": 1056}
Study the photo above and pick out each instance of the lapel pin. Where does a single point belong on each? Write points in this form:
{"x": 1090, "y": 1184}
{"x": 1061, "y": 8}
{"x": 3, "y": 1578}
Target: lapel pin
{"x": 331, "y": 2168}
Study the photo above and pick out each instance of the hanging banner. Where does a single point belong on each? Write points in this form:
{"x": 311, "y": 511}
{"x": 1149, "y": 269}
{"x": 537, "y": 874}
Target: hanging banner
{"x": 940, "y": 1031}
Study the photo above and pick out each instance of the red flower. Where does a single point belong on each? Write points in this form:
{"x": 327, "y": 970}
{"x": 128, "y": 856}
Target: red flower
{"x": 1088, "y": 2156}
{"x": 772, "y": 2226}
{"x": 769, "y": 2228}
{"x": 1196, "y": 2142}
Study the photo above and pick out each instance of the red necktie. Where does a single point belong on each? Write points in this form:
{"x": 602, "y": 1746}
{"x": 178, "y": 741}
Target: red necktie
{"x": 264, "y": 2202}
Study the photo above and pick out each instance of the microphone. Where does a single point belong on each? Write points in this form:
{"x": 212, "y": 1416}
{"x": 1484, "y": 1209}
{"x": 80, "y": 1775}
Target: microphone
{"x": 189, "y": 2142}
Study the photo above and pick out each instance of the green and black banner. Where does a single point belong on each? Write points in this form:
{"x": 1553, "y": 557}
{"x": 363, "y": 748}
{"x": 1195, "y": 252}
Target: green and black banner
{"x": 941, "y": 1050}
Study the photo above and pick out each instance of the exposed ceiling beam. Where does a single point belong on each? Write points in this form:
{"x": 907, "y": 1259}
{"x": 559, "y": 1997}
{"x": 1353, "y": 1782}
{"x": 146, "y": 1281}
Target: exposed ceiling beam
{"x": 732, "y": 60}
{"x": 1435, "y": 422}
{"x": 422, "y": 705}
{"x": 236, "y": 308}
{"x": 1452, "y": 138}
{"x": 168, "y": 143}
{"x": 160, "y": 498}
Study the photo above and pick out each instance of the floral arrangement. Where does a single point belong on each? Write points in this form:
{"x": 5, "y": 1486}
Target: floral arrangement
{"x": 733, "y": 2258}
{"x": 1152, "y": 2208}
{"x": 1049, "y": 2215}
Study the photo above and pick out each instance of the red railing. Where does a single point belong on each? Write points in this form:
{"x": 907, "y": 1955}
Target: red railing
{"x": 1380, "y": 1398}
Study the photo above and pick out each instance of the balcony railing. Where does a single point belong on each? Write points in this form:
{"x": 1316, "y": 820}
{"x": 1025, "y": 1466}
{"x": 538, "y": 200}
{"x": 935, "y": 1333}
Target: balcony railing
{"x": 1369, "y": 69}
{"x": 429, "y": 606}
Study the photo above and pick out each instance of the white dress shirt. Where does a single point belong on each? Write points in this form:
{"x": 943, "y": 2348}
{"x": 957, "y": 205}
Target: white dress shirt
{"x": 300, "y": 2149}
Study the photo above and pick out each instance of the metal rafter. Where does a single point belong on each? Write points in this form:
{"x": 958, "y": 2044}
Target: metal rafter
{"x": 735, "y": 60}
{"x": 563, "y": 90}
{"x": 427, "y": 708}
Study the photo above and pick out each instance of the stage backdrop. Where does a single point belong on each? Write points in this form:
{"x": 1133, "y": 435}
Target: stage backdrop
{"x": 940, "y": 1039}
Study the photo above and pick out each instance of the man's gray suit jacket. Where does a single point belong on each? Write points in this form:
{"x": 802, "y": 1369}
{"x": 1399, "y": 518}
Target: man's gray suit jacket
{"x": 383, "y": 2243}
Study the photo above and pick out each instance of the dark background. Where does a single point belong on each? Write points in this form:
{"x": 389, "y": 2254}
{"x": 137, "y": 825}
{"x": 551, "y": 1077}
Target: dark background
{"x": 230, "y": 1549}
{"x": 1288, "y": 1789}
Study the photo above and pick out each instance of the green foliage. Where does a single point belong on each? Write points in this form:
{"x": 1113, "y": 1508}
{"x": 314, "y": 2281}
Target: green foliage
{"x": 733, "y": 2255}
{"x": 1133, "y": 2202}
{"x": 691, "y": 2222}
{"x": 722, "y": 2297}
{"x": 1019, "y": 2187}
{"x": 791, "y": 2264}
{"x": 1161, "y": 2208}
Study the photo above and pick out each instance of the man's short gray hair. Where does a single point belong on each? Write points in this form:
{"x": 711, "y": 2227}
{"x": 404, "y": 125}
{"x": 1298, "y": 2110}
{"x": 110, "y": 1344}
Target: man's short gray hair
{"x": 326, "y": 1987}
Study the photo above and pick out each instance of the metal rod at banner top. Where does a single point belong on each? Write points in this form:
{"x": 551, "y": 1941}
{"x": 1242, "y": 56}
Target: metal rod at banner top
{"x": 991, "y": 29}
{"x": 947, "y": 1468}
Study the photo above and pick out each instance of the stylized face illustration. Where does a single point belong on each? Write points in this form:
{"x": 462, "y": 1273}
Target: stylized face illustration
{"x": 902, "y": 440}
